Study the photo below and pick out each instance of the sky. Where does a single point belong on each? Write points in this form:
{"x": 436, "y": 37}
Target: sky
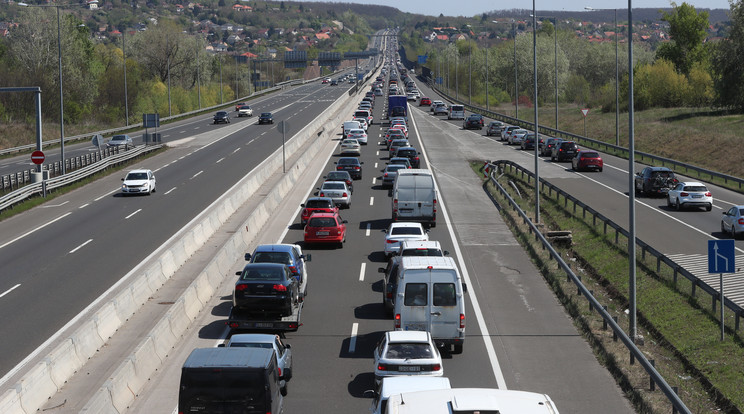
{"x": 470, "y": 8}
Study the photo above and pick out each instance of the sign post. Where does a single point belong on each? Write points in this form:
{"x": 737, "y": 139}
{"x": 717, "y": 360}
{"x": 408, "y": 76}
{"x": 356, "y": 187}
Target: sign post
{"x": 721, "y": 259}
{"x": 283, "y": 127}
{"x": 585, "y": 112}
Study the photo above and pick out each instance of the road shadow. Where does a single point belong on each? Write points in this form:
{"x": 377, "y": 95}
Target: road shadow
{"x": 377, "y": 257}
{"x": 370, "y": 311}
{"x": 377, "y": 286}
{"x": 377, "y": 224}
{"x": 363, "y": 346}
{"x": 212, "y": 330}
{"x": 362, "y": 386}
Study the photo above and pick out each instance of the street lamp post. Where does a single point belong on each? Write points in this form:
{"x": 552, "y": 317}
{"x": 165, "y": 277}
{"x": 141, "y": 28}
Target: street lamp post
{"x": 617, "y": 81}
{"x": 555, "y": 55}
{"x": 124, "y": 54}
{"x": 631, "y": 184}
{"x": 221, "y": 99}
{"x": 516, "y": 81}
{"x": 537, "y": 126}
{"x": 61, "y": 97}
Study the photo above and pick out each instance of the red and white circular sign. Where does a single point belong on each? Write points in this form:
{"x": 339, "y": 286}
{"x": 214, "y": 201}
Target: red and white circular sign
{"x": 37, "y": 157}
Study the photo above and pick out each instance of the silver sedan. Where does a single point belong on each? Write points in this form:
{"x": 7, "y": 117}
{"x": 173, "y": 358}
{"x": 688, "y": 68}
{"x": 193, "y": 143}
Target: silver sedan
{"x": 337, "y": 191}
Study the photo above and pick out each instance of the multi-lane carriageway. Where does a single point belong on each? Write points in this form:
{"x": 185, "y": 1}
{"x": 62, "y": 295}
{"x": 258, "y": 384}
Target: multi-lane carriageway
{"x": 518, "y": 337}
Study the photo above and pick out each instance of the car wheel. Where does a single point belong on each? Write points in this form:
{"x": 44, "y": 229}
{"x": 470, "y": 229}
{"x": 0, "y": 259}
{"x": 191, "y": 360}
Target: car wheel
{"x": 677, "y": 206}
{"x": 709, "y": 207}
{"x": 458, "y": 349}
{"x": 600, "y": 169}
{"x": 552, "y": 158}
{"x": 283, "y": 390}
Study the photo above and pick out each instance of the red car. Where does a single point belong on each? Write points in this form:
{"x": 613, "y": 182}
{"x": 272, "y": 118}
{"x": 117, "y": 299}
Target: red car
{"x": 424, "y": 101}
{"x": 239, "y": 104}
{"x": 315, "y": 205}
{"x": 587, "y": 160}
{"x": 325, "y": 228}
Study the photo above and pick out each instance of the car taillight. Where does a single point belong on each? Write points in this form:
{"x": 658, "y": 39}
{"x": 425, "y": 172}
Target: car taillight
{"x": 397, "y": 321}
{"x": 241, "y": 287}
{"x": 740, "y": 221}
{"x": 389, "y": 295}
{"x": 357, "y": 168}
{"x": 390, "y": 241}
{"x": 386, "y": 174}
{"x": 684, "y": 194}
{"x": 279, "y": 288}
{"x": 293, "y": 269}
{"x": 436, "y": 367}
{"x": 708, "y": 194}
{"x": 381, "y": 367}
{"x": 322, "y": 195}
{"x": 305, "y": 212}
{"x": 280, "y": 370}
{"x": 345, "y": 195}
{"x": 462, "y": 321}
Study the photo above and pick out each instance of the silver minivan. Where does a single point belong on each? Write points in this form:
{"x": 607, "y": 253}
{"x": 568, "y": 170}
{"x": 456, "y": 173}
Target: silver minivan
{"x": 414, "y": 197}
{"x": 456, "y": 112}
{"x": 430, "y": 297}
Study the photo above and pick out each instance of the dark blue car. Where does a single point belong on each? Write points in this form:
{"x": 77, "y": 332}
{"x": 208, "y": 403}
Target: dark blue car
{"x": 286, "y": 254}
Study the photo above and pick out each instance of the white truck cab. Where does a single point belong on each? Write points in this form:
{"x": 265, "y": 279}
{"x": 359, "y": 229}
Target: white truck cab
{"x": 471, "y": 400}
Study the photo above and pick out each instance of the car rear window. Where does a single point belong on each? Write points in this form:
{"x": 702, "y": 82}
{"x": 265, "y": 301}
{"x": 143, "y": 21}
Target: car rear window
{"x": 415, "y": 294}
{"x": 394, "y": 167}
{"x": 409, "y": 351}
{"x": 319, "y": 204}
{"x": 421, "y": 252}
{"x": 589, "y": 154}
{"x": 262, "y": 274}
{"x": 341, "y": 175}
{"x": 333, "y": 186}
{"x": 406, "y": 153}
{"x": 347, "y": 161}
{"x": 695, "y": 188}
{"x": 405, "y": 230}
{"x": 321, "y": 222}
{"x": 272, "y": 257}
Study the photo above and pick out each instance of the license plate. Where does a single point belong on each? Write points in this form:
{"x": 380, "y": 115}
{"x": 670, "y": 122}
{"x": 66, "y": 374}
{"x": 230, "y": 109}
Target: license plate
{"x": 406, "y": 210}
{"x": 409, "y": 369}
{"x": 321, "y": 233}
{"x": 264, "y": 325}
{"x": 697, "y": 196}
{"x": 415, "y": 327}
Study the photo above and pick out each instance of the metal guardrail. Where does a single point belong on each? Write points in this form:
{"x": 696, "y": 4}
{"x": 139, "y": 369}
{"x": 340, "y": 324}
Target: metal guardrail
{"x": 594, "y": 303}
{"x": 645, "y": 247}
{"x": 42, "y": 187}
{"x": 700, "y": 173}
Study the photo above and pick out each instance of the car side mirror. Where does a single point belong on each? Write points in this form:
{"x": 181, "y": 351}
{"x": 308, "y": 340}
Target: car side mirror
{"x": 238, "y": 273}
{"x": 302, "y": 205}
{"x": 307, "y": 257}
{"x": 220, "y": 345}
{"x": 362, "y": 162}
{"x": 345, "y": 221}
{"x": 380, "y": 270}
{"x": 287, "y": 346}
{"x": 122, "y": 179}
{"x": 446, "y": 253}
{"x": 465, "y": 288}
{"x": 247, "y": 257}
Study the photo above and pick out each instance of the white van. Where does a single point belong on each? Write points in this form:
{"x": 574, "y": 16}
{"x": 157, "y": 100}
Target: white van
{"x": 456, "y": 112}
{"x": 470, "y": 400}
{"x": 397, "y": 385}
{"x": 429, "y": 297}
{"x": 414, "y": 197}
{"x": 348, "y": 126}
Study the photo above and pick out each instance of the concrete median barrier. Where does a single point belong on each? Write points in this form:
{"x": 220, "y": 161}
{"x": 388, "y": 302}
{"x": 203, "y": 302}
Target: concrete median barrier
{"x": 64, "y": 362}
{"x": 118, "y": 386}
{"x": 100, "y": 404}
{"x": 36, "y": 387}
{"x": 162, "y": 338}
{"x": 107, "y": 321}
{"x": 144, "y": 357}
{"x": 10, "y": 402}
{"x": 86, "y": 340}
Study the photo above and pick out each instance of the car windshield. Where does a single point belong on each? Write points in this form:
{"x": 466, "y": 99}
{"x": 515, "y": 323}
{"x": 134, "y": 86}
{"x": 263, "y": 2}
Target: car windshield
{"x": 394, "y": 168}
{"x": 319, "y": 204}
{"x": 137, "y": 176}
{"x": 272, "y": 257}
{"x": 333, "y": 186}
{"x": 321, "y": 222}
{"x": 406, "y": 153}
{"x": 259, "y": 274}
{"x": 350, "y": 142}
{"x": 266, "y": 114}
{"x": 409, "y": 351}
{"x": 118, "y": 138}
{"x": 405, "y": 230}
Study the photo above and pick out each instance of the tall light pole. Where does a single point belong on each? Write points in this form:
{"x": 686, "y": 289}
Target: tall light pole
{"x": 537, "y": 126}
{"x": 221, "y": 98}
{"x": 126, "y": 94}
{"x": 198, "y": 82}
{"x": 631, "y": 184}
{"x": 516, "y": 81}
{"x": 167, "y": 47}
{"x": 617, "y": 80}
{"x": 555, "y": 54}
{"x": 61, "y": 97}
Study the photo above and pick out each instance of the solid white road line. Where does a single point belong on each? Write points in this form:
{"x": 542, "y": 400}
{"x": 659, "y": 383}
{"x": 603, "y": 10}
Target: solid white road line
{"x": 34, "y": 230}
{"x": 361, "y": 271}
{"x": 79, "y": 247}
{"x": 138, "y": 210}
{"x": 9, "y": 290}
{"x": 352, "y": 340}
{"x": 56, "y": 205}
{"x": 485, "y": 334}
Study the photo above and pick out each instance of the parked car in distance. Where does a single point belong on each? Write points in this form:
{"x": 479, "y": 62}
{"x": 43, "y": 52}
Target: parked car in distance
{"x": 138, "y": 182}
{"x": 326, "y": 80}
{"x": 732, "y": 221}
{"x": 334, "y": 82}
{"x": 407, "y": 353}
{"x": 352, "y": 165}
{"x": 350, "y": 147}
{"x": 690, "y": 194}
{"x": 325, "y": 228}
{"x": 399, "y": 231}
{"x": 587, "y": 160}
{"x": 389, "y": 174}
{"x": 494, "y": 128}
{"x": 340, "y": 176}
{"x": 316, "y": 205}
{"x": 337, "y": 191}
{"x": 265, "y": 118}
{"x": 655, "y": 181}
{"x": 119, "y": 140}
{"x": 425, "y": 101}
{"x": 221, "y": 117}
{"x": 506, "y": 131}
{"x": 267, "y": 341}
{"x": 266, "y": 287}
{"x": 245, "y": 110}
{"x": 516, "y": 136}
{"x": 565, "y": 150}
{"x": 434, "y": 104}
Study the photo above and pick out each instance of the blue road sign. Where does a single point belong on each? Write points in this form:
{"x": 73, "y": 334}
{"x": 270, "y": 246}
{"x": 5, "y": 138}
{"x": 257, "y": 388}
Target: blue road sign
{"x": 721, "y": 255}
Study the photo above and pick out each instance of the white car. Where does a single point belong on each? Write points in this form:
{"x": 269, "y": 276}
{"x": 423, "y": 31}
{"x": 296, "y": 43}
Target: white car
{"x": 268, "y": 341}
{"x": 401, "y": 384}
{"x": 411, "y": 96}
{"x": 350, "y": 146}
{"x": 407, "y": 353}
{"x": 138, "y": 182}
{"x": 435, "y": 103}
{"x": 120, "y": 140}
{"x": 690, "y": 194}
{"x": 359, "y": 135}
{"x": 362, "y": 122}
{"x": 336, "y": 191}
{"x": 516, "y": 136}
{"x": 399, "y": 231}
{"x": 245, "y": 110}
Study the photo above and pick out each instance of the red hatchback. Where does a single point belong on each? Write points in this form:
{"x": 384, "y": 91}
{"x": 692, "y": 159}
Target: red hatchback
{"x": 325, "y": 228}
{"x": 587, "y": 160}
{"x": 424, "y": 101}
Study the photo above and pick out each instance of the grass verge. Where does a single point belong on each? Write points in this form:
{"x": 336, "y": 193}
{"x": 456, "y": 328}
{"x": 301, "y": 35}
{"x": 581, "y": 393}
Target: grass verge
{"x": 680, "y": 333}
{"x": 52, "y": 194}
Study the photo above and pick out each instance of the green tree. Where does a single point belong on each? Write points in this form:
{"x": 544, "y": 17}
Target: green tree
{"x": 687, "y": 30}
{"x": 728, "y": 62}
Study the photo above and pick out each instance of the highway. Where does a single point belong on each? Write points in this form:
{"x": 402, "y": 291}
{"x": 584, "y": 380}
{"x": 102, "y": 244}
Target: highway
{"x": 59, "y": 258}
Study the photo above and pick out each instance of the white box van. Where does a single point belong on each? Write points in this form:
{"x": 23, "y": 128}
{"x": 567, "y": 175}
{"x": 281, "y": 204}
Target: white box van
{"x": 456, "y": 112}
{"x": 470, "y": 400}
{"x": 414, "y": 197}
{"x": 430, "y": 297}
{"x": 348, "y": 126}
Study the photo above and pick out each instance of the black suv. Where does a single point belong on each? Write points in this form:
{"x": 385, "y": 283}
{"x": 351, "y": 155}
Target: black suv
{"x": 564, "y": 151}
{"x": 221, "y": 116}
{"x": 411, "y": 154}
{"x": 266, "y": 118}
{"x": 655, "y": 181}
